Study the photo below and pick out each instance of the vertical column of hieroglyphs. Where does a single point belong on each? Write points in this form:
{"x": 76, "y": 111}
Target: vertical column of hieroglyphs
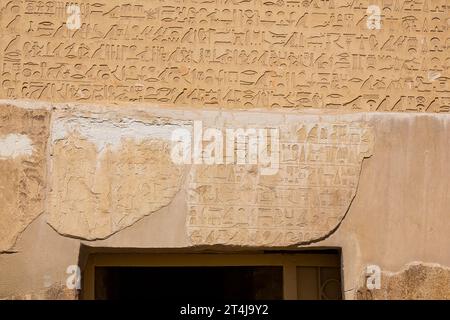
{"x": 305, "y": 200}
{"x": 306, "y": 54}
{"x": 12, "y": 33}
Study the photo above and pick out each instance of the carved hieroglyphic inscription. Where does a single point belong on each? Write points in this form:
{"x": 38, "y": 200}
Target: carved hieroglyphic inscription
{"x": 232, "y": 54}
{"x": 23, "y": 141}
{"x": 108, "y": 174}
{"x": 319, "y": 170}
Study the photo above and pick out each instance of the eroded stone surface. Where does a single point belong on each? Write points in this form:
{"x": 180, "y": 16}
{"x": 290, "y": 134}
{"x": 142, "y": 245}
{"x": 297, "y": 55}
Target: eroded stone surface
{"x": 107, "y": 174}
{"x": 317, "y": 178}
{"x": 416, "y": 281}
{"x": 23, "y": 141}
{"x": 108, "y": 171}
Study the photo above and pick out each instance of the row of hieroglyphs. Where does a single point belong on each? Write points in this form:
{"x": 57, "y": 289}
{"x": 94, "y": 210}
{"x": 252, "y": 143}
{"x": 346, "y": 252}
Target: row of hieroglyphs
{"x": 370, "y": 55}
{"x": 319, "y": 169}
{"x": 109, "y": 172}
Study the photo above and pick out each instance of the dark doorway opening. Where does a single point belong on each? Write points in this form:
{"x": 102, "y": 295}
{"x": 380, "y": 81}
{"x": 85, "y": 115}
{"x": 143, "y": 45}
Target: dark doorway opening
{"x": 264, "y": 275}
{"x": 189, "y": 283}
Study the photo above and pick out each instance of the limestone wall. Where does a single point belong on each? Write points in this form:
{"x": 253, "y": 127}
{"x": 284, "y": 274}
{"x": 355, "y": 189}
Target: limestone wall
{"x": 353, "y": 115}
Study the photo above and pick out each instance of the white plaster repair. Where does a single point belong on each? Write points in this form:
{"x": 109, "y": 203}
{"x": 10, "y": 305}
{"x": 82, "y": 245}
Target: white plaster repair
{"x": 109, "y": 134}
{"x": 15, "y": 145}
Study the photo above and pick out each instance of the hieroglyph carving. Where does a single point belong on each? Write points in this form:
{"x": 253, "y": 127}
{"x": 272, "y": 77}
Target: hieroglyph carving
{"x": 415, "y": 281}
{"x": 305, "y": 200}
{"x": 371, "y": 55}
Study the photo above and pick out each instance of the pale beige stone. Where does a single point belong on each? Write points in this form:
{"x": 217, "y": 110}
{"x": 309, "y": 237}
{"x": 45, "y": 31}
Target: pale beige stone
{"x": 399, "y": 212}
{"x": 110, "y": 178}
{"x": 417, "y": 281}
{"x": 23, "y": 141}
{"x": 305, "y": 200}
{"x": 56, "y": 291}
{"x": 105, "y": 176}
{"x": 102, "y": 162}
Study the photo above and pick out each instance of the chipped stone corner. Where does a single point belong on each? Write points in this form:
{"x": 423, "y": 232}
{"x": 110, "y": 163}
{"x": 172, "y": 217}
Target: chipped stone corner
{"x": 415, "y": 281}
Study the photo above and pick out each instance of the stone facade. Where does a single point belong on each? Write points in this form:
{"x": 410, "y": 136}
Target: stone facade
{"x": 343, "y": 106}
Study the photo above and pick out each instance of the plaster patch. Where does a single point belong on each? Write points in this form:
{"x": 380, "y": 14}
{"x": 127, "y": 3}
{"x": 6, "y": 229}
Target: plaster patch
{"x": 15, "y": 145}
